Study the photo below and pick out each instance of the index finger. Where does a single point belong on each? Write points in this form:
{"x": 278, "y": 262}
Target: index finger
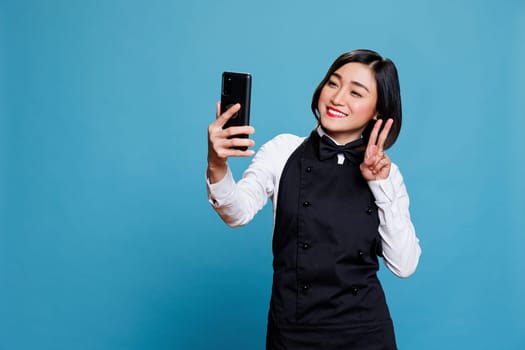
{"x": 224, "y": 117}
{"x": 384, "y": 134}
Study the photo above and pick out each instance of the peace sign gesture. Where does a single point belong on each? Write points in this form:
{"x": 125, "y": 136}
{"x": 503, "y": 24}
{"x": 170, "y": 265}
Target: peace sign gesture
{"x": 376, "y": 165}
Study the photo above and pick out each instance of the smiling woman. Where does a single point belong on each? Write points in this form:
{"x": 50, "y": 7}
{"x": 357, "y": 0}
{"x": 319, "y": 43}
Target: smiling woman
{"x": 107, "y": 240}
{"x": 347, "y": 101}
{"x": 371, "y": 81}
{"x": 326, "y": 294}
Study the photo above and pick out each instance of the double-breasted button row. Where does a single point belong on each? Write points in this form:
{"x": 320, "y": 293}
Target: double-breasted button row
{"x": 307, "y": 204}
{"x": 304, "y": 245}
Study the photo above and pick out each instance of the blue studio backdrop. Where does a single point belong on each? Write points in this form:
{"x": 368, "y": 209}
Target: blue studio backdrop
{"x": 107, "y": 240}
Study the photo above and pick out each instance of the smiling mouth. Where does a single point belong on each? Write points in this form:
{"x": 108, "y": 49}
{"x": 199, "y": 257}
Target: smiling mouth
{"x": 334, "y": 113}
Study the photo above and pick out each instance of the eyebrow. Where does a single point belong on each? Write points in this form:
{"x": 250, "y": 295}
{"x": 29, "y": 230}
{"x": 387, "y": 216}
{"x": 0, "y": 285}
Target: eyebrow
{"x": 337, "y": 75}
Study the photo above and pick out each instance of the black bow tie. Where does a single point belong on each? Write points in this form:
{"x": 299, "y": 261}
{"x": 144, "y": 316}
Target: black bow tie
{"x": 352, "y": 151}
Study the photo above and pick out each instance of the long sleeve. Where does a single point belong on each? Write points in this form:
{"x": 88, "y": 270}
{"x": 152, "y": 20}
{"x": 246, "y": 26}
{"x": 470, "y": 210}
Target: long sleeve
{"x": 237, "y": 203}
{"x": 401, "y": 250}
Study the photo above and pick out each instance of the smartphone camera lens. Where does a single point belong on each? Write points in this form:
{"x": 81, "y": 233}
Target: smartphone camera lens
{"x": 227, "y": 86}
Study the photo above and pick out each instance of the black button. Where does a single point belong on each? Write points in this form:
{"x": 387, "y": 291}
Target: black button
{"x": 306, "y": 204}
{"x": 306, "y": 286}
{"x": 309, "y": 169}
{"x": 370, "y": 210}
{"x": 360, "y": 254}
{"x": 354, "y": 290}
{"x": 306, "y": 246}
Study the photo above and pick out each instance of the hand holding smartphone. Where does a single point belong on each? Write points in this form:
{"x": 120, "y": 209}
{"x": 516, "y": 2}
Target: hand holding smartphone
{"x": 236, "y": 88}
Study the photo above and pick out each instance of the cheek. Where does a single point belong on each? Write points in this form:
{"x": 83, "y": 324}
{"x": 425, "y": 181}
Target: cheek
{"x": 323, "y": 96}
{"x": 364, "y": 108}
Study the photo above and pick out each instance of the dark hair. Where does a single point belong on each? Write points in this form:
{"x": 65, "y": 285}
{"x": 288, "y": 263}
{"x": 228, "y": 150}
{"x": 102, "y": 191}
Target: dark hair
{"x": 388, "y": 92}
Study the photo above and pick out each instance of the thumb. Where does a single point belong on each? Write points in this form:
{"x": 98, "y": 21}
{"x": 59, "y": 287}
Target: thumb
{"x": 224, "y": 117}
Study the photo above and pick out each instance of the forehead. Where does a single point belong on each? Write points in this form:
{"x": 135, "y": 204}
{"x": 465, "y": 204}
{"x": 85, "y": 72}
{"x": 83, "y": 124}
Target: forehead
{"x": 357, "y": 72}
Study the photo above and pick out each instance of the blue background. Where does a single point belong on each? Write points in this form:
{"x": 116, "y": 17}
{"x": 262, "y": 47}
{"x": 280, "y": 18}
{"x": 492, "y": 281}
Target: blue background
{"x": 107, "y": 240}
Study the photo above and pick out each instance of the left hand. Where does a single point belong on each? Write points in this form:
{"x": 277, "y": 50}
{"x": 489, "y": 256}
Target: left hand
{"x": 376, "y": 165}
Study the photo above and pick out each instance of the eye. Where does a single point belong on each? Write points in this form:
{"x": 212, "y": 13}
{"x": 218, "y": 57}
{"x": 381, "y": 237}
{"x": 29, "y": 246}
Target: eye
{"x": 331, "y": 83}
{"x": 355, "y": 93}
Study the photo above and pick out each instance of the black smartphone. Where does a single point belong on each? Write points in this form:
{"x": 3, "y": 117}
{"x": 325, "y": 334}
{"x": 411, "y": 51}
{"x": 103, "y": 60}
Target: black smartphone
{"x": 236, "y": 88}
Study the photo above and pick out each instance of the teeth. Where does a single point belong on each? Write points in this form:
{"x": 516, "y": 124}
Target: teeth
{"x": 337, "y": 114}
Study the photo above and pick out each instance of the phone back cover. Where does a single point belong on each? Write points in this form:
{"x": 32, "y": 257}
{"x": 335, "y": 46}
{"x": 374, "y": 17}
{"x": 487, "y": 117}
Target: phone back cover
{"x": 236, "y": 88}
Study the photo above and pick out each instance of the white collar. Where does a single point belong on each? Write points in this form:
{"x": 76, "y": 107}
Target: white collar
{"x": 322, "y": 133}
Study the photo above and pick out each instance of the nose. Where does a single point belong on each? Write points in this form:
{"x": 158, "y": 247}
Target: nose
{"x": 337, "y": 97}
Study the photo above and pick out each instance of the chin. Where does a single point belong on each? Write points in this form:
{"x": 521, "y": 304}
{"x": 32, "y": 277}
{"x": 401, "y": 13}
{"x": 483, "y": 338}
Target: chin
{"x": 334, "y": 124}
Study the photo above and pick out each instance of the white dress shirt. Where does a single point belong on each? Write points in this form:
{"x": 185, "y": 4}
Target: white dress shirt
{"x": 238, "y": 202}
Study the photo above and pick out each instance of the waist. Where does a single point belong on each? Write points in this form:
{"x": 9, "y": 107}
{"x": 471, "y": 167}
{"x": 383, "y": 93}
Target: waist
{"x": 355, "y": 301}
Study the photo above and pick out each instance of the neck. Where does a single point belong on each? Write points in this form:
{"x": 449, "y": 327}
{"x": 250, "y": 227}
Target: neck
{"x": 339, "y": 138}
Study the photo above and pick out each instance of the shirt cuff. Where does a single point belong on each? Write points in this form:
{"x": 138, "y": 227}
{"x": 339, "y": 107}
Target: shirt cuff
{"x": 383, "y": 190}
{"x": 218, "y": 192}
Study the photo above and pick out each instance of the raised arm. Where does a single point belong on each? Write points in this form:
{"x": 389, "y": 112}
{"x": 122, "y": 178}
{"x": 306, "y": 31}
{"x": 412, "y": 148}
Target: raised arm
{"x": 400, "y": 244}
{"x": 401, "y": 248}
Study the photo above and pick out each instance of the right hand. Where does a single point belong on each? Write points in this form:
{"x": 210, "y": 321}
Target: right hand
{"x": 219, "y": 144}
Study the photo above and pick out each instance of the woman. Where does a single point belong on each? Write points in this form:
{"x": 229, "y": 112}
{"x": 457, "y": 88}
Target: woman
{"x": 339, "y": 204}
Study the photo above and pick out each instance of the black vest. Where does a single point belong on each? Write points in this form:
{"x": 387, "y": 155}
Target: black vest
{"x": 325, "y": 245}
